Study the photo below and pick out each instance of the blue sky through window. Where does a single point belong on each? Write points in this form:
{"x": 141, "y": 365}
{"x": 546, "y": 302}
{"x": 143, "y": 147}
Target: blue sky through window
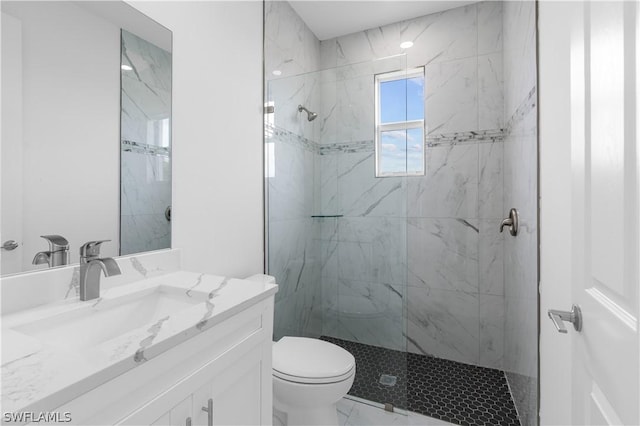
{"x": 402, "y": 100}
{"x": 402, "y": 150}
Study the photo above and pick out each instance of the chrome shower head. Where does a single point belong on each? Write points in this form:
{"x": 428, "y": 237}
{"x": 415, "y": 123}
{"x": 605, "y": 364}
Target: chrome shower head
{"x": 310, "y": 115}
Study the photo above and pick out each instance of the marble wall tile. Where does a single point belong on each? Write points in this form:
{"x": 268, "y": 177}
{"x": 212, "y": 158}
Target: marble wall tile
{"x": 355, "y": 108}
{"x": 490, "y": 96}
{"x": 520, "y": 191}
{"x": 329, "y": 287}
{"x": 451, "y": 96}
{"x": 146, "y": 89}
{"x": 325, "y": 228}
{"x": 491, "y": 316}
{"x": 286, "y": 94}
{"x": 144, "y": 232}
{"x": 450, "y": 186}
{"x": 328, "y": 54}
{"x": 360, "y": 193}
{"x": 291, "y": 186}
{"x": 328, "y": 257}
{"x": 326, "y": 185}
{"x": 491, "y": 180}
{"x": 291, "y": 47}
{"x": 370, "y": 313}
{"x": 443, "y": 323}
{"x": 489, "y": 27}
{"x": 387, "y": 242}
{"x": 290, "y": 253}
{"x": 328, "y": 113}
{"x": 519, "y": 27}
{"x": 443, "y": 254}
{"x": 443, "y": 36}
{"x": 491, "y": 258}
{"x": 355, "y": 260}
{"x": 368, "y": 45}
{"x": 145, "y": 183}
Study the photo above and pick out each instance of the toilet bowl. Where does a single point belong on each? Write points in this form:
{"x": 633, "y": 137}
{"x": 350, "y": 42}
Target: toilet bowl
{"x": 309, "y": 377}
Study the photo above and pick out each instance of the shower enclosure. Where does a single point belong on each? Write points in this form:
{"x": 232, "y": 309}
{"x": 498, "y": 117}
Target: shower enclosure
{"x": 383, "y": 212}
{"x": 337, "y": 234}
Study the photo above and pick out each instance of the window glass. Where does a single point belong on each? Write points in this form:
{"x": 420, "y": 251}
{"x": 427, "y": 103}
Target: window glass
{"x": 393, "y": 151}
{"x": 400, "y": 123}
{"x": 393, "y": 101}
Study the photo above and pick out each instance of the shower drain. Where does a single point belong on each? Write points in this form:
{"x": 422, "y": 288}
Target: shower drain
{"x": 388, "y": 380}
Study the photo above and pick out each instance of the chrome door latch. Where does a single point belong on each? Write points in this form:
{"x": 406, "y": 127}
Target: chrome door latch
{"x": 559, "y": 317}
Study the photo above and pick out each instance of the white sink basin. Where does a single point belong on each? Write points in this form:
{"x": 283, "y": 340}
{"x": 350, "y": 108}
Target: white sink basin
{"x": 95, "y": 323}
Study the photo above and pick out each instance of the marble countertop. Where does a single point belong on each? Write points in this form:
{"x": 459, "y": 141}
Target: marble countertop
{"x": 39, "y": 375}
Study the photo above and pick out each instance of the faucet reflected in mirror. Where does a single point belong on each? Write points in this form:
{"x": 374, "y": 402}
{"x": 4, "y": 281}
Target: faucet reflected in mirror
{"x": 90, "y": 267}
{"x": 58, "y": 253}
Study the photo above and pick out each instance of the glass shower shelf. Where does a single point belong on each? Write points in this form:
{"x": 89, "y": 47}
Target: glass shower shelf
{"x": 327, "y": 215}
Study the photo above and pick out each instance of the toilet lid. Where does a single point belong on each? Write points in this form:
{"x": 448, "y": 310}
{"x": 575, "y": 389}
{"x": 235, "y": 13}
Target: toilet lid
{"x": 305, "y": 360}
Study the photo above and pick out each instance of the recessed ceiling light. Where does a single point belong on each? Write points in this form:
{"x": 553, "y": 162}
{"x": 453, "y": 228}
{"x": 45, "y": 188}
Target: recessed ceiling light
{"x": 406, "y": 44}
{"x": 277, "y": 72}
{"x": 126, "y": 67}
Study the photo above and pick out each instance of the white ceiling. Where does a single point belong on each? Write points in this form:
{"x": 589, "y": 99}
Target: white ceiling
{"x": 328, "y": 19}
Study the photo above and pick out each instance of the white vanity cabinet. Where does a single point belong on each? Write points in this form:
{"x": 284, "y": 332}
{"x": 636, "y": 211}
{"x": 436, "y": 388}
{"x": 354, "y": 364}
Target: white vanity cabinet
{"x": 229, "y": 364}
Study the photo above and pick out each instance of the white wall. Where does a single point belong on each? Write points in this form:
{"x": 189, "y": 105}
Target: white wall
{"x": 217, "y": 212}
{"x": 70, "y": 149}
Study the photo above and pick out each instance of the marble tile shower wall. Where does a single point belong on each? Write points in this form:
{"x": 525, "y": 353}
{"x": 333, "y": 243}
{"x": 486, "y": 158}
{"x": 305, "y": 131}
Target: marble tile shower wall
{"x": 520, "y": 191}
{"x": 429, "y": 242}
{"x": 145, "y": 190}
{"x": 292, "y": 53}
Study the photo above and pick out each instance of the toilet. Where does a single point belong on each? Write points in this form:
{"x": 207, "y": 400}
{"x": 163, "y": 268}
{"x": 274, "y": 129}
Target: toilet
{"x": 309, "y": 377}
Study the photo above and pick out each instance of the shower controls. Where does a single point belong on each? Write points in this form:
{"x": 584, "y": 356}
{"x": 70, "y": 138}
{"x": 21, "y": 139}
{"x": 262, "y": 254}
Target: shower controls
{"x": 574, "y": 316}
{"x": 511, "y": 222}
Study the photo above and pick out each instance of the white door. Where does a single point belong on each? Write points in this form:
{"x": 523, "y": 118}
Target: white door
{"x": 589, "y": 219}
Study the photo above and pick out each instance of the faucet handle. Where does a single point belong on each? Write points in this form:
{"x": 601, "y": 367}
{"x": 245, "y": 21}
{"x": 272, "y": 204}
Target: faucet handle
{"x": 91, "y": 249}
{"x": 56, "y": 242}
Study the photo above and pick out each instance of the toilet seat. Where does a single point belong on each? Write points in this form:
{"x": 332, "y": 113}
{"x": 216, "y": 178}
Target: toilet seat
{"x": 311, "y": 361}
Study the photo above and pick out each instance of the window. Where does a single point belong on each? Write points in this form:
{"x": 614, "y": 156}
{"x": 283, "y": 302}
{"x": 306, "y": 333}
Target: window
{"x": 399, "y": 141}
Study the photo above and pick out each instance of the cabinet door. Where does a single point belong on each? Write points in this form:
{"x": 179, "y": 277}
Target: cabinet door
{"x": 178, "y": 415}
{"x": 239, "y": 402}
{"x": 234, "y": 394}
{"x": 181, "y": 412}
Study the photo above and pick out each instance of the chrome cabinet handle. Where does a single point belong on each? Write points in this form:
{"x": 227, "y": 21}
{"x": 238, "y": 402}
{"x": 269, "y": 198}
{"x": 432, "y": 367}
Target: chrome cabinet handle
{"x": 574, "y": 316}
{"x": 209, "y": 410}
{"x": 9, "y": 245}
{"x": 511, "y": 222}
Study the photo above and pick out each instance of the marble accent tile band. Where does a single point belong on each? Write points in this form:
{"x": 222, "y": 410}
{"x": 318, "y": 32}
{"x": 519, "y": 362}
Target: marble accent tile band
{"x": 436, "y": 140}
{"x": 275, "y": 133}
{"x": 143, "y": 148}
{"x": 447, "y": 139}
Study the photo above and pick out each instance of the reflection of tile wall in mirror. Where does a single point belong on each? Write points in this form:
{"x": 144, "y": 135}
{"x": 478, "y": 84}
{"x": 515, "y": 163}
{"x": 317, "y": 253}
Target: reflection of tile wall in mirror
{"x": 145, "y": 136}
{"x": 61, "y": 116}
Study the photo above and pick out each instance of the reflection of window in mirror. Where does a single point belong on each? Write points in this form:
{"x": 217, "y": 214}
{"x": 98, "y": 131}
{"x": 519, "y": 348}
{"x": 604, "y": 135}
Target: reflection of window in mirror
{"x": 399, "y": 133}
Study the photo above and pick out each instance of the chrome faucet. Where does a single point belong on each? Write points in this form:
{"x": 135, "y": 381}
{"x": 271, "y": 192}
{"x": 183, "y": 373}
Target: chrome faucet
{"x": 90, "y": 266}
{"x": 58, "y": 253}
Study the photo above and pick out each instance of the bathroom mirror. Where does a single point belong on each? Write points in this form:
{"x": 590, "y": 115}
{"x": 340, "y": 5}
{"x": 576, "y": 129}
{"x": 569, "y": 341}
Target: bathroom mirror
{"x": 86, "y": 130}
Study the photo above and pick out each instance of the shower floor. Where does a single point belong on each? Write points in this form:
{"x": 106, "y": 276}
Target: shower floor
{"x": 447, "y": 390}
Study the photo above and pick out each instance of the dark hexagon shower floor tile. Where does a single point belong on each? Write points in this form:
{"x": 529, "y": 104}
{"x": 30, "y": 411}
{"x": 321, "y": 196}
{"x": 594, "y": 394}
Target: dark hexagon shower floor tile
{"x": 447, "y": 390}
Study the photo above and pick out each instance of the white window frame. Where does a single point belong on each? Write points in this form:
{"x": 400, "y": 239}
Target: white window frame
{"x": 399, "y": 125}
